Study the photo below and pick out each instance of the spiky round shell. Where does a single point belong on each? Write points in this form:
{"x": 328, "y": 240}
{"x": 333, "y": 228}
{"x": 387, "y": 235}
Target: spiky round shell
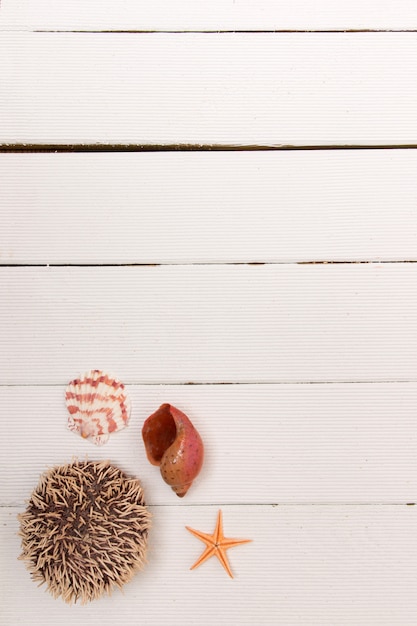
{"x": 98, "y": 405}
{"x": 85, "y": 530}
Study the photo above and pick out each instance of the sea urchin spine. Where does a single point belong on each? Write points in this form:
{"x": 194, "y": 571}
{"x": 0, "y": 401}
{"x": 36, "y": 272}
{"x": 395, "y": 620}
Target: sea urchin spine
{"x": 85, "y": 530}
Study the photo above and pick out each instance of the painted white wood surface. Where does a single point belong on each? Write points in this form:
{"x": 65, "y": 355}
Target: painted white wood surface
{"x": 269, "y": 89}
{"x": 216, "y": 15}
{"x": 203, "y": 323}
{"x": 264, "y": 444}
{"x": 209, "y": 207}
{"x": 341, "y": 457}
{"x": 321, "y": 565}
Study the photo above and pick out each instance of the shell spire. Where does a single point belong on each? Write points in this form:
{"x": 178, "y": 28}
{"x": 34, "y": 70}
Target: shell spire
{"x": 98, "y": 405}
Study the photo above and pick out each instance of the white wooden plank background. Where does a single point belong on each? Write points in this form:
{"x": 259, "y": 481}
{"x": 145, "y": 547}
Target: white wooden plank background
{"x": 230, "y": 323}
{"x": 216, "y": 15}
{"x": 262, "y": 89}
{"x": 318, "y": 565}
{"x": 207, "y": 207}
{"x": 338, "y": 457}
{"x": 286, "y": 444}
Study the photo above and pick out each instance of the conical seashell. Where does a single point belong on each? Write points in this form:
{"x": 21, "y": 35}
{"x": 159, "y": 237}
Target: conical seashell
{"x": 98, "y": 405}
{"x": 172, "y": 442}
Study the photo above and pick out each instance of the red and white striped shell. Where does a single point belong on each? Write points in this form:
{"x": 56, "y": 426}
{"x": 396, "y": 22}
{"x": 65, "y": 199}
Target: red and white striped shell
{"x": 98, "y": 405}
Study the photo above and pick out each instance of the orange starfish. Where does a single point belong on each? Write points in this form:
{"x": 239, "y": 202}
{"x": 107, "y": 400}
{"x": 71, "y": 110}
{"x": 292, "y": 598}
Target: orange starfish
{"x": 217, "y": 544}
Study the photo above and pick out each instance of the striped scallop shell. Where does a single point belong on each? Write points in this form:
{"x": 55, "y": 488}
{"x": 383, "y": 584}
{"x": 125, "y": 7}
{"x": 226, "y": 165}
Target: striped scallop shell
{"x": 98, "y": 405}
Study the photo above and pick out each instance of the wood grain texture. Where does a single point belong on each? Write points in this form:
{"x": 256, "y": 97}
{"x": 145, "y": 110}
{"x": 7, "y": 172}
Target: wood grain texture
{"x": 318, "y": 475}
{"x": 307, "y": 565}
{"x": 218, "y": 15}
{"x": 340, "y": 443}
{"x": 209, "y": 323}
{"x": 270, "y": 89}
{"x": 209, "y": 207}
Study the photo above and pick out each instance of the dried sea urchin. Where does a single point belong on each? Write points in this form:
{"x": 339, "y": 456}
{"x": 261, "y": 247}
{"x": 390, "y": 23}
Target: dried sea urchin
{"x": 85, "y": 530}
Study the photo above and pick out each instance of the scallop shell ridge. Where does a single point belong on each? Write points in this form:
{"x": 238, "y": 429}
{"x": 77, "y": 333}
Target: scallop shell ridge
{"x": 98, "y": 405}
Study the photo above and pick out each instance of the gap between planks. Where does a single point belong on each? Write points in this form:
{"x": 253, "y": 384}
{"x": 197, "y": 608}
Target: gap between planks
{"x": 257, "y": 504}
{"x": 203, "y": 263}
{"x": 247, "y": 31}
{"x": 247, "y": 383}
{"x": 117, "y": 147}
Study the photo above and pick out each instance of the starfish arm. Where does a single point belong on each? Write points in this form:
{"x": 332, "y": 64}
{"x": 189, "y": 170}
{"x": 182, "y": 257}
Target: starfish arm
{"x": 221, "y": 555}
{"x": 208, "y": 539}
{"x": 208, "y": 552}
{"x": 218, "y": 531}
{"x": 230, "y": 543}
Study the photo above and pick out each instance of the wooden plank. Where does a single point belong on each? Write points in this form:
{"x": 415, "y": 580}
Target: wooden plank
{"x": 335, "y": 443}
{"x": 307, "y": 565}
{"x": 209, "y": 207}
{"x": 218, "y": 15}
{"x": 209, "y": 323}
{"x": 274, "y": 89}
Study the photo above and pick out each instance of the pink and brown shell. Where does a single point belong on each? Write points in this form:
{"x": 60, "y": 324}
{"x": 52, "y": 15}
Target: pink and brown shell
{"x": 172, "y": 443}
{"x": 98, "y": 405}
